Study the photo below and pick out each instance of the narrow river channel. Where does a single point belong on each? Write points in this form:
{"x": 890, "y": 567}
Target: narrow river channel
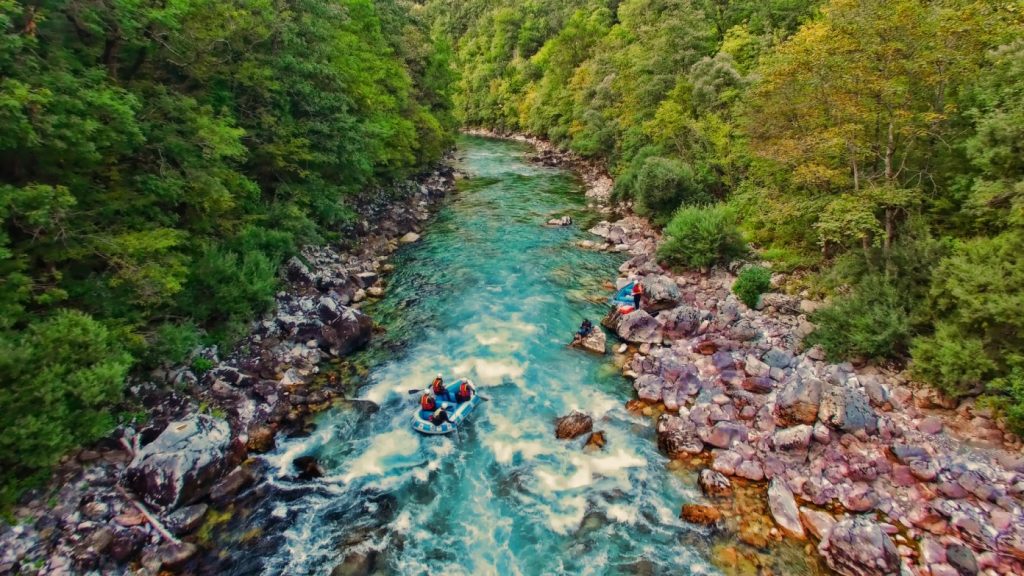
{"x": 492, "y": 294}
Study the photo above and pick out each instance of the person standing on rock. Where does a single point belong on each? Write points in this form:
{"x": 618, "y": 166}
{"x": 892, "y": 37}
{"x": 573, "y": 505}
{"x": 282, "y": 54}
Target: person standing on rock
{"x": 638, "y": 293}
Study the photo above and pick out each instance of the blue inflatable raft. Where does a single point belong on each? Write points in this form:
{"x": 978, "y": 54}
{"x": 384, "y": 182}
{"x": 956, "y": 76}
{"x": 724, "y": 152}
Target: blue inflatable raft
{"x": 624, "y": 297}
{"x": 457, "y": 412}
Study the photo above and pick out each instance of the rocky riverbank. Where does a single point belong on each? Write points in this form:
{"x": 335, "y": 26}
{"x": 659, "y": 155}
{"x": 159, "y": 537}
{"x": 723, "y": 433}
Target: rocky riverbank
{"x": 879, "y": 474}
{"x": 136, "y": 500}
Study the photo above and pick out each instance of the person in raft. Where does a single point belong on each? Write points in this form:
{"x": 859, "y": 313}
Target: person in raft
{"x": 638, "y": 293}
{"x": 439, "y": 390}
{"x": 440, "y": 416}
{"x": 586, "y": 328}
{"x": 428, "y": 403}
{"x": 465, "y": 391}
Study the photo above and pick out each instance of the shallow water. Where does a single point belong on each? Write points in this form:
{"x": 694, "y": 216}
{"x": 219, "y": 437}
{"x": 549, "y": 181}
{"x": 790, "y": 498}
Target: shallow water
{"x": 492, "y": 294}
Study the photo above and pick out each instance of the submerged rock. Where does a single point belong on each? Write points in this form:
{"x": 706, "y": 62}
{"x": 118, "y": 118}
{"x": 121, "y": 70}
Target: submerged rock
{"x": 714, "y": 483}
{"x": 182, "y": 463}
{"x": 572, "y": 426}
{"x": 308, "y": 467}
{"x": 700, "y": 514}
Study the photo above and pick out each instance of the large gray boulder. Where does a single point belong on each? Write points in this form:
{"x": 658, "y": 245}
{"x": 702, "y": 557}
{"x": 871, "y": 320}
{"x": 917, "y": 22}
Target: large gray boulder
{"x": 660, "y": 293}
{"x": 858, "y": 546}
{"x": 335, "y": 327}
{"x": 637, "y": 326}
{"x": 182, "y": 463}
{"x": 595, "y": 342}
{"x": 798, "y": 401}
{"x": 848, "y": 409}
{"x": 682, "y": 321}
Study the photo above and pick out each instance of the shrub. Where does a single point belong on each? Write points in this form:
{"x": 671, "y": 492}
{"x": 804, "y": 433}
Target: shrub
{"x": 872, "y": 322}
{"x": 61, "y": 375}
{"x": 701, "y": 237}
{"x": 752, "y": 282}
{"x": 976, "y": 297}
{"x": 664, "y": 184}
{"x": 225, "y": 287}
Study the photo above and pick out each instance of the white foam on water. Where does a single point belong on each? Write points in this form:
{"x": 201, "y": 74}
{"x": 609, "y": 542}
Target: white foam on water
{"x": 491, "y": 372}
{"x": 569, "y": 517}
{"x": 623, "y": 513}
{"x": 380, "y": 454}
{"x": 587, "y": 469}
{"x": 282, "y": 461}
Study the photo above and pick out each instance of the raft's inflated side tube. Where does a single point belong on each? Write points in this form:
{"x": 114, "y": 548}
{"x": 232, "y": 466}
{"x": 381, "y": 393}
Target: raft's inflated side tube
{"x": 624, "y": 297}
{"x": 425, "y": 426}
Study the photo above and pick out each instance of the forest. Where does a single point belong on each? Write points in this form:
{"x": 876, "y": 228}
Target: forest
{"x": 873, "y": 148}
{"x": 160, "y": 160}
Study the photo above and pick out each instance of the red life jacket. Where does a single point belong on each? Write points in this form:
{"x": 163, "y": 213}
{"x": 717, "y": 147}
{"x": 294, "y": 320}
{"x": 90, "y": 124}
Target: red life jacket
{"x": 464, "y": 390}
{"x": 427, "y": 403}
{"x": 638, "y": 288}
{"x": 438, "y": 386}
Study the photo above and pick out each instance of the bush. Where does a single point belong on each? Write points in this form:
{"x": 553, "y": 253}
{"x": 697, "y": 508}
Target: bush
{"x": 663, "y": 185}
{"x": 701, "y": 237}
{"x": 872, "y": 322}
{"x": 62, "y": 376}
{"x": 224, "y": 287}
{"x": 976, "y": 298}
{"x": 752, "y": 282}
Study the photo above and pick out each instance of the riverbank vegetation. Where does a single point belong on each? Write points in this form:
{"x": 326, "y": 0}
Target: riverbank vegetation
{"x": 876, "y": 144}
{"x": 159, "y": 161}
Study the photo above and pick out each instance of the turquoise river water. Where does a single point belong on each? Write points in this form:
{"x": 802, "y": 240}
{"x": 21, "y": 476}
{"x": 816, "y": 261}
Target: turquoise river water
{"x": 492, "y": 294}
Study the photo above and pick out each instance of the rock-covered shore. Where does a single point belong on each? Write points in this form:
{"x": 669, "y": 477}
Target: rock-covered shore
{"x": 881, "y": 475}
{"x": 133, "y": 501}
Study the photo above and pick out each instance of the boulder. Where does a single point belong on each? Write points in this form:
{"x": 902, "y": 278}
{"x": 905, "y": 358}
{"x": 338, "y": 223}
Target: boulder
{"x": 756, "y": 368}
{"x": 678, "y": 436}
{"x": 724, "y": 434}
{"x": 714, "y": 483}
{"x": 573, "y": 425}
{"x": 308, "y": 467}
{"x": 848, "y": 409}
{"x": 858, "y": 546}
{"x": 660, "y": 293}
{"x": 817, "y": 522}
{"x": 595, "y": 441}
{"x": 962, "y": 559}
{"x": 700, "y": 514}
{"x": 186, "y": 520}
{"x": 229, "y": 486}
{"x": 563, "y": 221}
{"x": 758, "y": 385}
{"x": 182, "y": 463}
{"x": 638, "y": 327}
{"x": 343, "y": 329}
{"x": 681, "y": 322}
{"x": 795, "y": 438}
{"x": 784, "y": 510}
{"x": 168, "y": 556}
{"x": 649, "y": 387}
{"x": 778, "y": 358}
{"x": 595, "y": 342}
{"x": 798, "y": 401}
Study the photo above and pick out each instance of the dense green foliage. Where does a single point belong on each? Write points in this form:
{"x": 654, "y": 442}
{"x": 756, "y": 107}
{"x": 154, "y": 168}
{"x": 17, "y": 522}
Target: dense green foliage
{"x": 702, "y": 237}
{"x": 881, "y": 137}
{"x": 159, "y": 160}
{"x": 751, "y": 283}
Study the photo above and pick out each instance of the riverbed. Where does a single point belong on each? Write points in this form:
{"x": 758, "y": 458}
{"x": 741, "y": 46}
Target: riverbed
{"x": 492, "y": 294}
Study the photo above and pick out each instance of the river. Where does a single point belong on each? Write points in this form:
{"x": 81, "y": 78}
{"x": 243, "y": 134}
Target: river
{"x": 492, "y": 294}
